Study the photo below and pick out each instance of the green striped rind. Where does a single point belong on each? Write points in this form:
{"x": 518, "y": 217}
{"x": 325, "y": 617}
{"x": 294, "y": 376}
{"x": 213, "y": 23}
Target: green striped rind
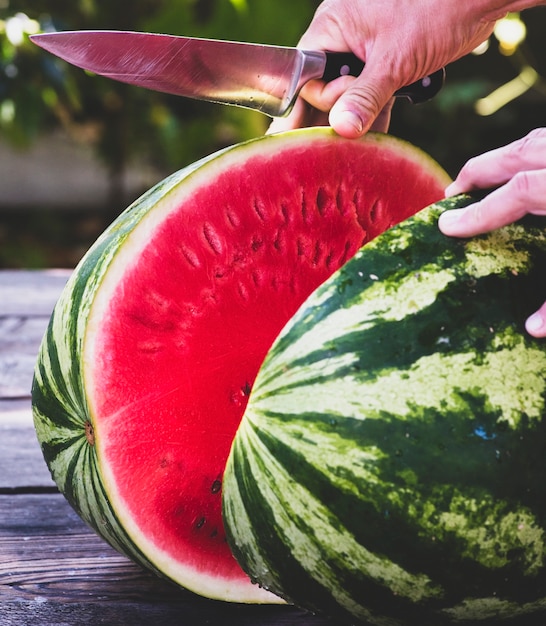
{"x": 59, "y": 402}
{"x": 389, "y": 466}
{"x": 60, "y": 407}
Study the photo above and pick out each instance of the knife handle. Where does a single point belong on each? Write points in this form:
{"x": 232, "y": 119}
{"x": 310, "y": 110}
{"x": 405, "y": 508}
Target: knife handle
{"x": 344, "y": 63}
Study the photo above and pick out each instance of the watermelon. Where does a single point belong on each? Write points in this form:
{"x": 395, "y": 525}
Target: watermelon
{"x": 389, "y": 467}
{"x": 152, "y": 350}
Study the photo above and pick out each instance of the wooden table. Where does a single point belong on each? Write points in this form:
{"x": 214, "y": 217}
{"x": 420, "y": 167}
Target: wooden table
{"x": 53, "y": 569}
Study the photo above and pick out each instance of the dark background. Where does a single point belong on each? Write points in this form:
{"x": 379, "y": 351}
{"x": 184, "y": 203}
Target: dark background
{"x": 76, "y": 149}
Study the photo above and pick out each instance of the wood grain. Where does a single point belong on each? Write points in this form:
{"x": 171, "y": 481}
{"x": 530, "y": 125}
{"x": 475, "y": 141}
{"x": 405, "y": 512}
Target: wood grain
{"x": 30, "y": 293}
{"x": 53, "y": 566}
{"x": 152, "y": 613}
{"x": 22, "y": 467}
{"x": 26, "y": 301}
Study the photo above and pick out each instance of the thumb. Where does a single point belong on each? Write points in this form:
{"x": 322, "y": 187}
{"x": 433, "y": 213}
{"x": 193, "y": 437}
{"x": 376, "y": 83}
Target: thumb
{"x": 356, "y": 110}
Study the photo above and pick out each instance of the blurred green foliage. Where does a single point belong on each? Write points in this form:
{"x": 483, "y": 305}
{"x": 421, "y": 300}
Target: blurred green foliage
{"x": 38, "y": 91}
{"x": 125, "y": 124}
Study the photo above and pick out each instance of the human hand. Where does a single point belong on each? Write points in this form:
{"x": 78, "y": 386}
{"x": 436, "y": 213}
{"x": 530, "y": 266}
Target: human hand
{"x": 518, "y": 172}
{"x": 400, "y": 43}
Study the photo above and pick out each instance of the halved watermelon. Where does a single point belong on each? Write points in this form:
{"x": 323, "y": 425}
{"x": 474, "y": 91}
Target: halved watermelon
{"x": 151, "y": 352}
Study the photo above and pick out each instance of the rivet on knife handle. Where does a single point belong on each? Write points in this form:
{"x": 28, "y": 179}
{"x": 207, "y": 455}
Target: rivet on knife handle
{"x": 344, "y": 63}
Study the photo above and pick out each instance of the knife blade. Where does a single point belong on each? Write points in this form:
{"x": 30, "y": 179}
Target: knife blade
{"x": 262, "y": 77}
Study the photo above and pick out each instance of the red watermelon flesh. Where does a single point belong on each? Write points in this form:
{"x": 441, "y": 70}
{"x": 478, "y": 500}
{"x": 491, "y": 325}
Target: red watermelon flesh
{"x": 189, "y": 306}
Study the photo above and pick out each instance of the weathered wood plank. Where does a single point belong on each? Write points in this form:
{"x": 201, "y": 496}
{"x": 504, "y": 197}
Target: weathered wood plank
{"x": 53, "y": 569}
{"x": 27, "y": 299}
{"x": 22, "y": 466}
{"x": 30, "y": 293}
{"x": 48, "y": 552}
{"x": 152, "y": 613}
{"x": 20, "y": 339}
{"x": 16, "y": 368}
{"x": 22, "y": 333}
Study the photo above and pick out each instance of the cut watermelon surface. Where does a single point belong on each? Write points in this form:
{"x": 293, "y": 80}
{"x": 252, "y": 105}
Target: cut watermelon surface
{"x": 153, "y": 349}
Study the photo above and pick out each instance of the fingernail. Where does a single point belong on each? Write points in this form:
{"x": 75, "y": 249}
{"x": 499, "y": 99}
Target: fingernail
{"x": 451, "y": 190}
{"x": 347, "y": 123}
{"x": 353, "y": 120}
{"x": 534, "y": 323}
{"x": 448, "y": 219}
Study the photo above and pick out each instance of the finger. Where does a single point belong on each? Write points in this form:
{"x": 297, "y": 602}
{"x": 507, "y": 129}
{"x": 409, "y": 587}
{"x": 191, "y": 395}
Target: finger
{"x": 359, "y": 106}
{"x": 497, "y": 166}
{"x": 523, "y": 193}
{"x": 536, "y": 323}
{"x": 312, "y": 105}
{"x": 322, "y": 96}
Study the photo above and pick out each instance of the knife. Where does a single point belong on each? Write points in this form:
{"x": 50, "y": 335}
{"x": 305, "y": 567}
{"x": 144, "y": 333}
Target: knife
{"x": 263, "y": 77}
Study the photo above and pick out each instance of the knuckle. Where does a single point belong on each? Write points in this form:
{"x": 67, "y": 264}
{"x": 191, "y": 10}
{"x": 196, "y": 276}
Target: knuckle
{"x": 518, "y": 149}
{"x": 478, "y": 215}
{"x": 468, "y": 171}
{"x": 367, "y": 97}
{"x": 537, "y": 133}
{"x": 521, "y": 185}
